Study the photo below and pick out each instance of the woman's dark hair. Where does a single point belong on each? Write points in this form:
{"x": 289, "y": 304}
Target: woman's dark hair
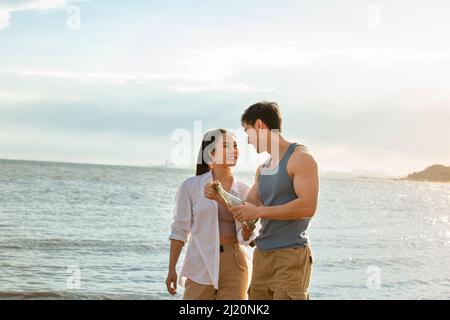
{"x": 267, "y": 112}
{"x": 209, "y": 142}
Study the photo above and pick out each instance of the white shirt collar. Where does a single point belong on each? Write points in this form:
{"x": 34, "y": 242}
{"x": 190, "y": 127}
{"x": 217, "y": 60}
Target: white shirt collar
{"x": 234, "y": 186}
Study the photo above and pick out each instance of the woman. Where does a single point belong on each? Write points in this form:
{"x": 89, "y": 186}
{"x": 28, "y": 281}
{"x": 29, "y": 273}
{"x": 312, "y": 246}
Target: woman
{"x": 215, "y": 266}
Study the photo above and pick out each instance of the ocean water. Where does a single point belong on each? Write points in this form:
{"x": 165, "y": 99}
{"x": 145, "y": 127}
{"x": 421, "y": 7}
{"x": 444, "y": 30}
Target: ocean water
{"x": 71, "y": 231}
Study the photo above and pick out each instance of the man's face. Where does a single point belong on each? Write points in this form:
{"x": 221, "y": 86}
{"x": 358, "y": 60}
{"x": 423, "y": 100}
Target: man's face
{"x": 254, "y": 136}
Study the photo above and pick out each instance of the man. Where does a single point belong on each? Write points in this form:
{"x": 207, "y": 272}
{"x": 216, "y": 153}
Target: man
{"x": 284, "y": 197}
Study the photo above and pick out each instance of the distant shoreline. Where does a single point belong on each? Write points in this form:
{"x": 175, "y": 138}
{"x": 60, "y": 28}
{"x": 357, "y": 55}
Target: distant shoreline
{"x": 435, "y": 173}
{"x": 94, "y": 164}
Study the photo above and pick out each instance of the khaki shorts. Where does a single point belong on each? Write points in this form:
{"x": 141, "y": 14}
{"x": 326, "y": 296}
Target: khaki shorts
{"x": 281, "y": 274}
{"x": 233, "y": 279}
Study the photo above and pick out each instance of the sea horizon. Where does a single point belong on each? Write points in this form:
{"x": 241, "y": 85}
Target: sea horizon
{"x": 355, "y": 173}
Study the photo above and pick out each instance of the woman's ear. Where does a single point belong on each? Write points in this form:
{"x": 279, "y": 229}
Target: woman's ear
{"x": 211, "y": 155}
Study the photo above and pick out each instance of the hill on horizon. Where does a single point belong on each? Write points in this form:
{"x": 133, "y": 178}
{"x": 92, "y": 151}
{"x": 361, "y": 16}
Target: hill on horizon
{"x": 434, "y": 173}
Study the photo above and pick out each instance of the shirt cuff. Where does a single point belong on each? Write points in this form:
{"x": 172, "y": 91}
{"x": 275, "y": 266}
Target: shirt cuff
{"x": 175, "y": 236}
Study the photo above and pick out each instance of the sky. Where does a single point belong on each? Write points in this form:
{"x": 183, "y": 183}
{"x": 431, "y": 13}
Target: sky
{"x": 364, "y": 84}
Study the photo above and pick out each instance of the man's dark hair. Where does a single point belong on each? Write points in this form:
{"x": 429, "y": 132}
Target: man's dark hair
{"x": 267, "y": 112}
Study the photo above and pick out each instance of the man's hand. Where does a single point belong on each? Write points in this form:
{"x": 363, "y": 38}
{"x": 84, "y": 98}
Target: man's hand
{"x": 210, "y": 191}
{"x": 245, "y": 212}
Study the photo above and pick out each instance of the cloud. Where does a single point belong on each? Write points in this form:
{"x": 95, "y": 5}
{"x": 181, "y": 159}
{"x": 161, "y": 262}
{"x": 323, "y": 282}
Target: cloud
{"x": 217, "y": 68}
{"x": 113, "y": 78}
{"x": 226, "y": 69}
{"x": 4, "y": 19}
{"x": 224, "y": 87}
{"x": 187, "y": 81}
{"x": 211, "y": 69}
{"x": 7, "y": 7}
{"x": 25, "y": 98}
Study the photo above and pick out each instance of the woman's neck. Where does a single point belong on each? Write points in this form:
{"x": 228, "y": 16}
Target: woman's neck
{"x": 222, "y": 173}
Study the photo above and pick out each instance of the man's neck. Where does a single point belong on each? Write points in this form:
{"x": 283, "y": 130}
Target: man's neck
{"x": 278, "y": 142}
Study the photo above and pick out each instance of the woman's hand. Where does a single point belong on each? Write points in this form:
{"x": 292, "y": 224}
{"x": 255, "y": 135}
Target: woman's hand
{"x": 210, "y": 191}
{"x": 246, "y": 231}
{"x": 171, "y": 282}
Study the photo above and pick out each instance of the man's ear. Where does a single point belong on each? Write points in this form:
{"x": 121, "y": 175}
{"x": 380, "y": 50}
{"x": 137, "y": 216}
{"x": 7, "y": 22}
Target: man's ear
{"x": 258, "y": 124}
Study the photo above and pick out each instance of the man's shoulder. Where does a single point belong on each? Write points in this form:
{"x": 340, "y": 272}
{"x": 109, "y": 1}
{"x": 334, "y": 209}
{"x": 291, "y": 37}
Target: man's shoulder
{"x": 301, "y": 150}
{"x": 302, "y": 156}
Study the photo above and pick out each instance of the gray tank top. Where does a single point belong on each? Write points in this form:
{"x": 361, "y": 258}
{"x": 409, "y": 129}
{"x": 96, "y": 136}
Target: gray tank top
{"x": 276, "y": 188}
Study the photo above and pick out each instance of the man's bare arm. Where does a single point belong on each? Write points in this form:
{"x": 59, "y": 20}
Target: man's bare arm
{"x": 253, "y": 194}
{"x": 304, "y": 171}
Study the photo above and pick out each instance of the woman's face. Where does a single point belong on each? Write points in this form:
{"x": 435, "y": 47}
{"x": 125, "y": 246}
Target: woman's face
{"x": 226, "y": 151}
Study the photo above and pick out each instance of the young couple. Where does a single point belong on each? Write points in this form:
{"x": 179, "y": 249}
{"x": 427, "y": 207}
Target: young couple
{"x": 283, "y": 197}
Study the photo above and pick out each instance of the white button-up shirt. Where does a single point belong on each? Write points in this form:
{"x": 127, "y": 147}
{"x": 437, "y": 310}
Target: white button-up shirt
{"x": 196, "y": 222}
